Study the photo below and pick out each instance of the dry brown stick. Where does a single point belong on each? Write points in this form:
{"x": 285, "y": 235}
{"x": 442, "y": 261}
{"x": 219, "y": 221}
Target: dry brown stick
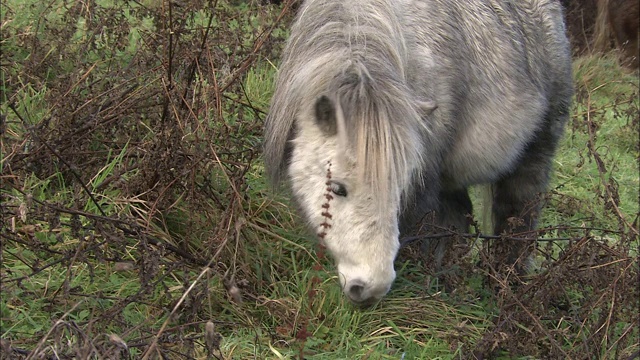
{"x": 256, "y": 47}
{"x": 62, "y": 160}
{"x": 154, "y": 343}
{"x": 128, "y": 228}
{"x": 46, "y": 336}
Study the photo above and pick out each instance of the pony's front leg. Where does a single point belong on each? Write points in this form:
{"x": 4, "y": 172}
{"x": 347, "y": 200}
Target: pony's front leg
{"x": 453, "y": 208}
{"x": 454, "y": 215}
{"x": 516, "y": 206}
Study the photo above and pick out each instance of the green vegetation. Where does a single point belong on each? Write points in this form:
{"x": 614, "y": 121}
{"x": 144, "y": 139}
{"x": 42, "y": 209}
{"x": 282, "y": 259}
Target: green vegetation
{"x": 135, "y": 213}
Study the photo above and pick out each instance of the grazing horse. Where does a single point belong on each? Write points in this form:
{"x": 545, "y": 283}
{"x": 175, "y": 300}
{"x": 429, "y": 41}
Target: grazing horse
{"x": 385, "y": 110}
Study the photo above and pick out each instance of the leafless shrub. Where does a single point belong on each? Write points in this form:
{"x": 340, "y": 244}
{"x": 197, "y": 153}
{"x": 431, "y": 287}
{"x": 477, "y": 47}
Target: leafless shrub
{"x": 166, "y": 120}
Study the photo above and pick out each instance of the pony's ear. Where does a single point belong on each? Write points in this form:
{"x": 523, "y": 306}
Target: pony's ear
{"x": 325, "y": 113}
{"x": 427, "y": 106}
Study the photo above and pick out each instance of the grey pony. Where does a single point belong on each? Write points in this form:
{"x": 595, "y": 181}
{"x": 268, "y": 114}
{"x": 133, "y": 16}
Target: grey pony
{"x": 428, "y": 97}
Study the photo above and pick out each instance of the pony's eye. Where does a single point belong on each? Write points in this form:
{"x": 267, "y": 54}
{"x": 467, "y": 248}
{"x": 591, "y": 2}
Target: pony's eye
{"x": 338, "y": 189}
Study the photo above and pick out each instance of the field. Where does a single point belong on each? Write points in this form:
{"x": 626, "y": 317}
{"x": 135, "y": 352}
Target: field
{"x": 137, "y": 222}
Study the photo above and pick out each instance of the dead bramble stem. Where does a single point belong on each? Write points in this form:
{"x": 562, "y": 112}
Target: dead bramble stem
{"x": 325, "y": 207}
{"x": 326, "y": 214}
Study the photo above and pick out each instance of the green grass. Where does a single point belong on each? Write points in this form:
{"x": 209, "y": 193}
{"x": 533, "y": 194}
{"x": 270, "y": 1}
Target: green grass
{"x": 268, "y": 291}
{"x": 608, "y": 97}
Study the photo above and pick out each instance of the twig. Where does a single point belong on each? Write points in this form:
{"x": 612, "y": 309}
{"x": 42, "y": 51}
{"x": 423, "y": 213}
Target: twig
{"x": 154, "y": 344}
{"x": 602, "y": 170}
{"x": 256, "y": 47}
{"x": 410, "y": 239}
{"x": 128, "y": 228}
{"x": 54, "y": 152}
{"x": 58, "y": 322}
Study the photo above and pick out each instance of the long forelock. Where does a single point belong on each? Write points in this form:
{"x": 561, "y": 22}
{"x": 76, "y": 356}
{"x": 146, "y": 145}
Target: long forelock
{"x": 355, "y": 53}
{"x": 384, "y": 132}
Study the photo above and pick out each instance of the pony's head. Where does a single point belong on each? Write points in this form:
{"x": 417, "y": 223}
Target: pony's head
{"x": 353, "y": 156}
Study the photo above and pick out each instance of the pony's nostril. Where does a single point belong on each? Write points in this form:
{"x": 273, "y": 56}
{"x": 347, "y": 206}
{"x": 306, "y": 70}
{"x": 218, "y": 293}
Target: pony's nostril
{"x": 355, "y": 289}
